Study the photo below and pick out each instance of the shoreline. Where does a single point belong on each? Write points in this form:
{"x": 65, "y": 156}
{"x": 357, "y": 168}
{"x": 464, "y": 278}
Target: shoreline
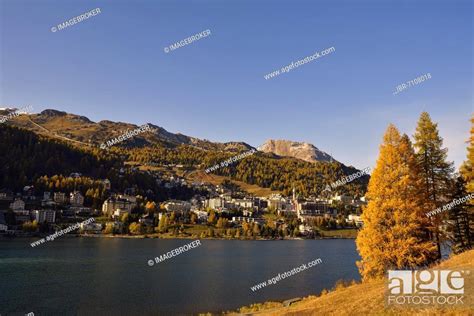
{"x": 356, "y": 298}
{"x": 171, "y": 237}
{"x": 210, "y": 238}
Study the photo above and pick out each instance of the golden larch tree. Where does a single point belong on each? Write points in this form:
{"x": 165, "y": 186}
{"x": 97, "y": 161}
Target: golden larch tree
{"x": 395, "y": 231}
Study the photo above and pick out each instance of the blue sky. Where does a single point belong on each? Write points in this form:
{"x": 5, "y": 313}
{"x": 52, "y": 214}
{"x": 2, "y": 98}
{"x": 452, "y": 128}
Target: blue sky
{"x": 112, "y": 66}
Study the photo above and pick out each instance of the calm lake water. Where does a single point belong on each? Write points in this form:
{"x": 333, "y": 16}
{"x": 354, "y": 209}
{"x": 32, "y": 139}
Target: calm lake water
{"x": 102, "y": 276}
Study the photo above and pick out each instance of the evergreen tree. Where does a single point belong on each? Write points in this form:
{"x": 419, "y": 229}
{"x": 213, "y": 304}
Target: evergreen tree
{"x": 395, "y": 232}
{"x": 467, "y": 169}
{"x": 467, "y": 172}
{"x": 458, "y": 228}
{"x": 435, "y": 170}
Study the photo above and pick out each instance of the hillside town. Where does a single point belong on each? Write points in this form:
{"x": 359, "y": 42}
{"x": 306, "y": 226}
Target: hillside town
{"x": 221, "y": 211}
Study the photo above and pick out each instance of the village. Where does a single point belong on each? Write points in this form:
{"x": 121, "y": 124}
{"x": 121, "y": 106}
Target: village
{"x": 221, "y": 212}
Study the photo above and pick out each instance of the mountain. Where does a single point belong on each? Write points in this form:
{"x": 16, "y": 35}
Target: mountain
{"x": 166, "y": 152}
{"x": 79, "y": 129}
{"x": 29, "y": 159}
{"x": 303, "y": 151}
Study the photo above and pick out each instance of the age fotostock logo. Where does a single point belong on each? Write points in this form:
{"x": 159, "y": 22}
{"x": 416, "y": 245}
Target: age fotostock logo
{"x": 426, "y": 287}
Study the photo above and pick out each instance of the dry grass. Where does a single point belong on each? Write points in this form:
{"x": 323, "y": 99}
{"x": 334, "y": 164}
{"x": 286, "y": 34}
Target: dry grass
{"x": 340, "y": 233}
{"x": 368, "y": 298}
{"x": 215, "y": 180}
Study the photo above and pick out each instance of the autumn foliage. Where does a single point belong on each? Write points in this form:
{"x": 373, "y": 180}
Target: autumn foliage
{"x": 396, "y": 231}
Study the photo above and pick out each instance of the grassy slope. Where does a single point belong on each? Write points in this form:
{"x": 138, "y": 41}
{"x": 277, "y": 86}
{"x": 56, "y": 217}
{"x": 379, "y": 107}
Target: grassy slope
{"x": 215, "y": 180}
{"x": 201, "y": 176}
{"x": 340, "y": 233}
{"x": 368, "y": 298}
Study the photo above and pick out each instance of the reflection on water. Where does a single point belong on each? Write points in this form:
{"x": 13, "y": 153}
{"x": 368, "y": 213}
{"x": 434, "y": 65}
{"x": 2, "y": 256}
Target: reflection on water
{"x": 98, "y": 276}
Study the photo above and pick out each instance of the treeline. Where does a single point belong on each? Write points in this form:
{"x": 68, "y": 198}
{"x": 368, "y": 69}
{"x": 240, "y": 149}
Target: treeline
{"x": 26, "y": 159}
{"x": 25, "y": 156}
{"x": 264, "y": 170}
{"x": 283, "y": 174}
{"x": 411, "y": 180}
{"x": 95, "y": 193}
{"x": 218, "y": 225}
{"x": 166, "y": 154}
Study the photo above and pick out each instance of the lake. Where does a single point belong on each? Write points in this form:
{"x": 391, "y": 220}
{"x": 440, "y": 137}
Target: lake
{"x": 111, "y": 276}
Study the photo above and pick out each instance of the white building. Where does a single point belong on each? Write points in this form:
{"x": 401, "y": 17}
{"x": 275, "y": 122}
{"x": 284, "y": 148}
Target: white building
{"x": 118, "y": 213}
{"x": 76, "y": 198}
{"x": 315, "y": 208}
{"x": 17, "y": 205}
{"x": 277, "y": 202}
{"x": 59, "y": 197}
{"x": 3, "y": 224}
{"x": 46, "y": 196}
{"x": 81, "y": 210}
{"x": 114, "y": 204}
{"x": 201, "y": 215}
{"x": 241, "y": 219}
{"x": 356, "y": 218}
{"x": 344, "y": 199}
{"x": 247, "y": 213}
{"x": 91, "y": 227}
{"x": 44, "y": 216}
{"x": 215, "y": 203}
{"x": 243, "y": 203}
{"x": 130, "y": 198}
{"x": 47, "y": 201}
{"x": 177, "y": 206}
{"x": 305, "y": 229}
